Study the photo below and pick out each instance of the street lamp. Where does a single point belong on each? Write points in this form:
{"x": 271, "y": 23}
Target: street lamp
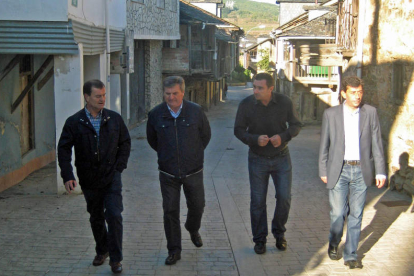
{"x": 245, "y": 42}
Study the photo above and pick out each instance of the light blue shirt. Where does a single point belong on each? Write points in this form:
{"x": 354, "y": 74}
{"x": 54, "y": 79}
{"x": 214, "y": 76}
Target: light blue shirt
{"x": 175, "y": 114}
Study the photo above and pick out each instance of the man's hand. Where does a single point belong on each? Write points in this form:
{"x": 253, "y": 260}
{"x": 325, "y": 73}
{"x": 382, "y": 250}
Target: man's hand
{"x": 380, "y": 182}
{"x": 276, "y": 140}
{"x": 70, "y": 185}
{"x": 263, "y": 140}
{"x": 324, "y": 179}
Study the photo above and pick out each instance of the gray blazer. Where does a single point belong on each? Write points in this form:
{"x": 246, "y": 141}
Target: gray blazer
{"x": 332, "y": 146}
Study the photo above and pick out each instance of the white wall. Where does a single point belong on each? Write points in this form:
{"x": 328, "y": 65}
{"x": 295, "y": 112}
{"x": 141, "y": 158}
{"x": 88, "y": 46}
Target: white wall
{"x": 114, "y": 98}
{"x": 68, "y": 79}
{"x": 34, "y": 10}
{"x": 93, "y": 12}
{"x": 210, "y": 7}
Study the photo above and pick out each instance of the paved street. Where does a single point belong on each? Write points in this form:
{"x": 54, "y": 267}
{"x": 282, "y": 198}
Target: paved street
{"x": 41, "y": 234}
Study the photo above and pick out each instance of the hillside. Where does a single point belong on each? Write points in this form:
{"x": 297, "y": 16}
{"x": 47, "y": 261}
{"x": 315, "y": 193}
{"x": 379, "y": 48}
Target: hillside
{"x": 249, "y": 14}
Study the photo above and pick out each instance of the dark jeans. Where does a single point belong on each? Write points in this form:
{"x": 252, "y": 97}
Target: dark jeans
{"x": 194, "y": 193}
{"x": 106, "y": 204}
{"x": 260, "y": 168}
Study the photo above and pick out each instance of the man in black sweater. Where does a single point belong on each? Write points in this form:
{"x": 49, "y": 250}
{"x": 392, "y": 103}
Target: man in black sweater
{"x": 265, "y": 121}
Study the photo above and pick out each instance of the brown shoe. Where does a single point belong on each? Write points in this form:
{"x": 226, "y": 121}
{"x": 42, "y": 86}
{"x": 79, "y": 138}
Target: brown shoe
{"x": 100, "y": 259}
{"x": 116, "y": 267}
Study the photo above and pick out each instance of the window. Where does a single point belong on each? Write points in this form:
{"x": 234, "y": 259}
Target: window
{"x": 161, "y": 4}
{"x": 398, "y": 81}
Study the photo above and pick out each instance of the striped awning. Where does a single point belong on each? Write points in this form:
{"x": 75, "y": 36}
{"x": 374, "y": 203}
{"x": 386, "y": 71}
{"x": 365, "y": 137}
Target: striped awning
{"x": 33, "y": 37}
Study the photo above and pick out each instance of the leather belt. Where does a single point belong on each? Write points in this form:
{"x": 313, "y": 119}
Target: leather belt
{"x": 352, "y": 162}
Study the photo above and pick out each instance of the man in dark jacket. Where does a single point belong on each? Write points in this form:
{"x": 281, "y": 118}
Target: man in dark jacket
{"x": 179, "y": 132}
{"x": 266, "y": 122}
{"x": 102, "y": 146}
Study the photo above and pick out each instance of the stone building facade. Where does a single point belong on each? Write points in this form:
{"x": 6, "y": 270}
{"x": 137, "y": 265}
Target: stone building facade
{"x": 152, "y": 22}
{"x": 388, "y": 73}
{"x": 153, "y": 74}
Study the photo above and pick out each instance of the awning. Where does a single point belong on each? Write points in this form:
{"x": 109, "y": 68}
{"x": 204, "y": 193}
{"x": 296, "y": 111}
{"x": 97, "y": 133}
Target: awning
{"x": 33, "y": 37}
{"x": 94, "y": 38}
{"x": 52, "y": 38}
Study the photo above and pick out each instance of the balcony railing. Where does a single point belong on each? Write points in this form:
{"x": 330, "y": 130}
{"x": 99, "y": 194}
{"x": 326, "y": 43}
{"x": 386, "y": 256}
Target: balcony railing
{"x": 310, "y": 74}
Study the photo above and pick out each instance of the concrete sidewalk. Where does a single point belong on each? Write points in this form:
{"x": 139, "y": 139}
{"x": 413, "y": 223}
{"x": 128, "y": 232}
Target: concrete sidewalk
{"x": 41, "y": 234}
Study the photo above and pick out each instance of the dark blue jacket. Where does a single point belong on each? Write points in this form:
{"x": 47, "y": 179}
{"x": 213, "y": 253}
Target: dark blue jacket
{"x": 179, "y": 142}
{"x": 95, "y": 162}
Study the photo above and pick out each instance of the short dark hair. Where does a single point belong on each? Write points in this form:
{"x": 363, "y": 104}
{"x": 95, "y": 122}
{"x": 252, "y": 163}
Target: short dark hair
{"x": 352, "y": 81}
{"x": 270, "y": 81}
{"x": 172, "y": 81}
{"x": 87, "y": 87}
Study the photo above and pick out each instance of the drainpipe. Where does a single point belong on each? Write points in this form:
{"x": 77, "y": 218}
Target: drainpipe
{"x": 360, "y": 42}
{"x": 108, "y": 56}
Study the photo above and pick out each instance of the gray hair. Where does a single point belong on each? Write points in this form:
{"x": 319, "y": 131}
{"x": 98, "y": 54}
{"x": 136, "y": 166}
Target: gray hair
{"x": 172, "y": 81}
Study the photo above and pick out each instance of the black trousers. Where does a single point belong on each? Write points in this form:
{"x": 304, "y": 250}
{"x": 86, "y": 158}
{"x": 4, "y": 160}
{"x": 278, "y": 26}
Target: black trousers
{"x": 106, "y": 205}
{"x": 194, "y": 193}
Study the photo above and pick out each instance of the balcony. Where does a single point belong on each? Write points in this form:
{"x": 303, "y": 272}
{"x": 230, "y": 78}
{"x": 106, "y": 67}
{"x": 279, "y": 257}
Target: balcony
{"x": 311, "y": 74}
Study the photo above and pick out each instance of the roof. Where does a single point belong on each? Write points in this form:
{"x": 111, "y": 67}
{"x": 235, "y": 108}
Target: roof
{"x": 256, "y": 45}
{"x": 319, "y": 27}
{"x": 190, "y": 13}
{"x": 302, "y": 26}
{"x": 224, "y": 35}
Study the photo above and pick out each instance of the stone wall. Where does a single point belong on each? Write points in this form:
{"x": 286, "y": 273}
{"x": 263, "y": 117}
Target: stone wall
{"x": 388, "y": 73}
{"x": 153, "y": 74}
{"x": 151, "y": 22}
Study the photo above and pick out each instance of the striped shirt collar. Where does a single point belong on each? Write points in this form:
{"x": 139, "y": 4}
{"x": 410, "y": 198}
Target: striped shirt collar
{"x": 89, "y": 115}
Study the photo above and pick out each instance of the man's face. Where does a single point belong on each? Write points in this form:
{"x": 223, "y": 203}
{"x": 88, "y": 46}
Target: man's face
{"x": 173, "y": 96}
{"x": 353, "y": 96}
{"x": 96, "y": 101}
{"x": 261, "y": 91}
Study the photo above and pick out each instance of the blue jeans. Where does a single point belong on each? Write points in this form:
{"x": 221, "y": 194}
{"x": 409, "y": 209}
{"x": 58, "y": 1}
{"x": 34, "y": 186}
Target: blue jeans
{"x": 260, "y": 168}
{"x": 105, "y": 204}
{"x": 347, "y": 199}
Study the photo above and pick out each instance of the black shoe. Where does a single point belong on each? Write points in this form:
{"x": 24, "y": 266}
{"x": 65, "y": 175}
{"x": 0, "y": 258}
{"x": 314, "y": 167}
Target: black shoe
{"x": 281, "y": 243}
{"x": 100, "y": 259}
{"x": 333, "y": 252}
{"x": 196, "y": 239}
{"x": 172, "y": 258}
{"x": 116, "y": 267}
{"x": 353, "y": 264}
{"x": 260, "y": 248}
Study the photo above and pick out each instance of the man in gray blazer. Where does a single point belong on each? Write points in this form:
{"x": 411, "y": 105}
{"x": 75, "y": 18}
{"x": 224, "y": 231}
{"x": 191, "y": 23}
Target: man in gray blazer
{"x": 349, "y": 155}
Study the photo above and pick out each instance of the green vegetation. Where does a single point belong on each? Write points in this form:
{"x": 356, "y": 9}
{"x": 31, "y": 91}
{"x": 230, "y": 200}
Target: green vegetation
{"x": 264, "y": 64}
{"x": 248, "y": 14}
{"x": 240, "y": 74}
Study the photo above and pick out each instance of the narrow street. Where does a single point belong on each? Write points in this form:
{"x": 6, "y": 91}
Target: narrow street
{"x": 41, "y": 234}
